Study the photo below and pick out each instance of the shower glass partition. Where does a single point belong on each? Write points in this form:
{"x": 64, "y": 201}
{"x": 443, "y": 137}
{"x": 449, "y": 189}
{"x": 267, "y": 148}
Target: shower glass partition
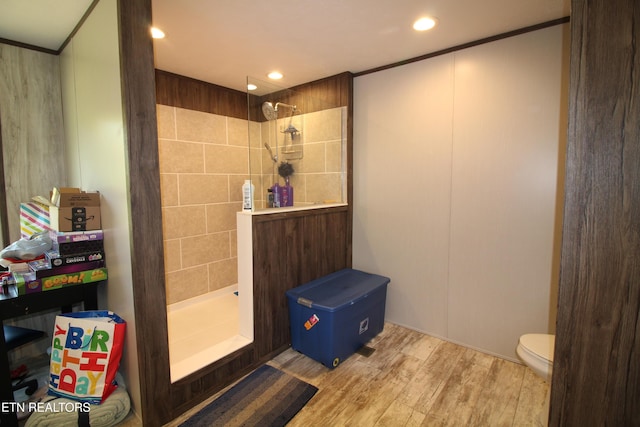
{"x": 297, "y": 148}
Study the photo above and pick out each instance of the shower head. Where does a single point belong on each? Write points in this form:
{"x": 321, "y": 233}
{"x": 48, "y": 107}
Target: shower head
{"x": 271, "y": 112}
{"x": 273, "y": 156}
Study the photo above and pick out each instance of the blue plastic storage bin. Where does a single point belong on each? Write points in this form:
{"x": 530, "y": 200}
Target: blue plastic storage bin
{"x": 334, "y": 316}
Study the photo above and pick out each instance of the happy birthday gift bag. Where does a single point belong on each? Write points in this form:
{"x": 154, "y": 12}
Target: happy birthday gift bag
{"x": 85, "y": 355}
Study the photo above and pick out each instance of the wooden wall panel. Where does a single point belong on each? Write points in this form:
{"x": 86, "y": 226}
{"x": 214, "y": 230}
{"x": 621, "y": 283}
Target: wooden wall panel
{"x": 32, "y": 128}
{"x": 184, "y": 92}
{"x": 139, "y": 110}
{"x": 596, "y": 374}
{"x": 4, "y": 220}
{"x": 330, "y": 92}
{"x": 291, "y": 249}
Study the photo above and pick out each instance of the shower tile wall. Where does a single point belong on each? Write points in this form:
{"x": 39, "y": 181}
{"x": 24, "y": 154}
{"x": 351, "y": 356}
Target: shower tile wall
{"x": 318, "y": 176}
{"x": 203, "y": 163}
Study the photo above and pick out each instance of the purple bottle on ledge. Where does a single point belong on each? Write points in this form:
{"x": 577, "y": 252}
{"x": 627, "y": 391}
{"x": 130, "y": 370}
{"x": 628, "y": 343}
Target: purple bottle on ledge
{"x": 287, "y": 194}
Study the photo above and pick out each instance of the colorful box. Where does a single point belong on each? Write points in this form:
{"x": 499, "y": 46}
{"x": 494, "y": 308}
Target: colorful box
{"x": 74, "y": 243}
{"x": 334, "y": 316}
{"x": 34, "y": 218}
{"x": 26, "y": 283}
{"x": 71, "y": 279}
{"x": 75, "y": 236}
{"x": 43, "y": 268}
{"x": 58, "y": 260}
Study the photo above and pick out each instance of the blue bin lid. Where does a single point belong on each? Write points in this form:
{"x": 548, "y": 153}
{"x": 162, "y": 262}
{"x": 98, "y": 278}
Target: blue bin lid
{"x": 337, "y": 290}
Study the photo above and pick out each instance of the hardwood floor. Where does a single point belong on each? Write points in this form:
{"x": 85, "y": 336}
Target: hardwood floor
{"x": 412, "y": 379}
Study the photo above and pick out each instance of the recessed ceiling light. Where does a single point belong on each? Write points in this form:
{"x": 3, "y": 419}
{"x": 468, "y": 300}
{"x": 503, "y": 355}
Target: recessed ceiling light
{"x": 157, "y": 33}
{"x": 275, "y": 75}
{"x": 424, "y": 24}
{"x": 251, "y": 86}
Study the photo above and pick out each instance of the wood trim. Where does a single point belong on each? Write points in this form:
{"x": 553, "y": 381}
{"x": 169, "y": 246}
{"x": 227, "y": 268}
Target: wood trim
{"x": 139, "y": 109}
{"x": 347, "y": 91}
{"x": 4, "y": 216}
{"x": 479, "y": 42}
{"x": 92, "y": 6}
{"x": 28, "y": 46}
{"x": 596, "y": 373}
{"x": 277, "y": 216}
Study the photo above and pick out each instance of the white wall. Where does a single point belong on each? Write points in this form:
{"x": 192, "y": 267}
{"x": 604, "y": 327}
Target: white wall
{"x": 456, "y": 163}
{"x": 96, "y": 156}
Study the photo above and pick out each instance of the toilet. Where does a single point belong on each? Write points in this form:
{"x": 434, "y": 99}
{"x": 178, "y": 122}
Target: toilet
{"x": 536, "y": 351}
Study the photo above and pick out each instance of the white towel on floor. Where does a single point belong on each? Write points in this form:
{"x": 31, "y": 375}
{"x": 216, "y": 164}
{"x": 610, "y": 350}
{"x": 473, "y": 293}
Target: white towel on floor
{"x": 110, "y": 412}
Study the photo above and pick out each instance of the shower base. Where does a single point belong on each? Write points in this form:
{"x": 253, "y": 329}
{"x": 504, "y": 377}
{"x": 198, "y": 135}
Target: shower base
{"x": 202, "y": 330}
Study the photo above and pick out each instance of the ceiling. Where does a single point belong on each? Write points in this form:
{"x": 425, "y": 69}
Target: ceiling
{"x": 224, "y": 41}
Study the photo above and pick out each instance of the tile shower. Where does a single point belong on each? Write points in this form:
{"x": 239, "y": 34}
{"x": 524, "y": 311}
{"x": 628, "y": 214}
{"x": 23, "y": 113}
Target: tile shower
{"x": 203, "y": 164}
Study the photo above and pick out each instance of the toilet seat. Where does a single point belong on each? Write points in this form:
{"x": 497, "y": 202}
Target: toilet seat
{"x": 536, "y": 351}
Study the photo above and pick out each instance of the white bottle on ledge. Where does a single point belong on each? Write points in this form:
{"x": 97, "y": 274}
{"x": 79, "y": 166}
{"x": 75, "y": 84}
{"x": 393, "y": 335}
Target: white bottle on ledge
{"x": 247, "y": 195}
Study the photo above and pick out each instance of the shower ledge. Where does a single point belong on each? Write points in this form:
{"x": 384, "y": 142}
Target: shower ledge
{"x": 269, "y": 211}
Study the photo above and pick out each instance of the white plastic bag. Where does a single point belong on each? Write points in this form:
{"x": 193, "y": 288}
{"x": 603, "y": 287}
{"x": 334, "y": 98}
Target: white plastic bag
{"x": 28, "y": 249}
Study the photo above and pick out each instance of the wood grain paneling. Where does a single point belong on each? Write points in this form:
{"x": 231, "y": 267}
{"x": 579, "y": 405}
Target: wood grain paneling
{"x": 184, "y": 92}
{"x": 596, "y": 376}
{"x": 330, "y": 92}
{"x": 32, "y": 127}
{"x": 138, "y": 93}
{"x": 289, "y": 250}
{"x": 4, "y": 220}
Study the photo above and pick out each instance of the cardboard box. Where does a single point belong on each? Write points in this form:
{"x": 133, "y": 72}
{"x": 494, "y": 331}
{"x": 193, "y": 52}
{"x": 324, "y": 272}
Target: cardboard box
{"x": 334, "y": 316}
{"x": 73, "y": 210}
